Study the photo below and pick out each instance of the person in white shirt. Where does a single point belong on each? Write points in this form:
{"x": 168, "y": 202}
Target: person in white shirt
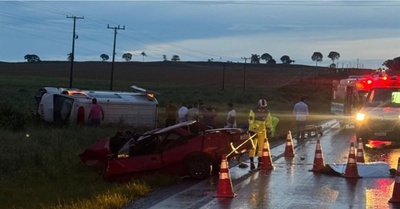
{"x": 231, "y": 117}
{"x": 300, "y": 111}
{"x": 182, "y": 113}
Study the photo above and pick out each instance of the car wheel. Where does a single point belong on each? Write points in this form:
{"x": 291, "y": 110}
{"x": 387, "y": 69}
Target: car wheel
{"x": 198, "y": 167}
{"x": 215, "y": 168}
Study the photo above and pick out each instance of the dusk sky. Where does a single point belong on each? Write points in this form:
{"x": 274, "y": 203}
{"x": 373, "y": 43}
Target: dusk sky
{"x": 363, "y": 32}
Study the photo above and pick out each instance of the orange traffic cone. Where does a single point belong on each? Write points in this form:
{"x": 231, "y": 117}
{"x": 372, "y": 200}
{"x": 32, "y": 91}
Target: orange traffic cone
{"x": 396, "y": 188}
{"x": 319, "y": 163}
{"x": 289, "y": 150}
{"x": 351, "y": 168}
{"x": 224, "y": 184}
{"x": 360, "y": 151}
{"x": 266, "y": 160}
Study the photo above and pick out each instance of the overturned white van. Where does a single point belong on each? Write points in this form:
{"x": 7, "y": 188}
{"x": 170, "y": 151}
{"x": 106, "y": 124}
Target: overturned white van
{"x": 63, "y": 105}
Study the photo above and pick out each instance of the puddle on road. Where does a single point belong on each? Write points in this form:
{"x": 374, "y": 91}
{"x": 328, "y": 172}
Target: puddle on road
{"x": 384, "y": 154}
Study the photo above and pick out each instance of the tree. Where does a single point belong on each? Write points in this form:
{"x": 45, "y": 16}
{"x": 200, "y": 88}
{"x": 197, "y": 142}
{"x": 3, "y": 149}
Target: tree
{"x": 164, "y": 57}
{"x": 175, "y": 58}
{"x": 32, "y": 58}
{"x": 333, "y": 56}
{"x": 286, "y": 59}
{"x": 393, "y": 64}
{"x": 317, "y": 57}
{"x": 144, "y": 55}
{"x": 267, "y": 57}
{"x": 255, "y": 59}
{"x": 271, "y": 61}
{"x": 69, "y": 56}
{"x": 127, "y": 57}
{"x": 104, "y": 57}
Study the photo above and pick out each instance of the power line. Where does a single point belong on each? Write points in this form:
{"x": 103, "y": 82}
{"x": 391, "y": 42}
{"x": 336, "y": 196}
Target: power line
{"x": 56, "y": 8}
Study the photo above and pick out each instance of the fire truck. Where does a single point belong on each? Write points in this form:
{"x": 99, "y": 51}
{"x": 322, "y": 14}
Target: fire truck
{"x": 378, "y": 119}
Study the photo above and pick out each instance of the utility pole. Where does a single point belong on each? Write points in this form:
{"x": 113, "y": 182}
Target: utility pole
{"x": 113, "y": 59}
{"x": 223, "y": 76}
{"x": 357, "y": 63}
{"x": 244, "y": 72}
{"x": 74, "y": 36}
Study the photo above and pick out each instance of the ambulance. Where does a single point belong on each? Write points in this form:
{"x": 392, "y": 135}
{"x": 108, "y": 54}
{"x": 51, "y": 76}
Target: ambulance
{"x": 138, "y": 108}
{"x": 378, "y": 119}
{"x": 348, "y": 96}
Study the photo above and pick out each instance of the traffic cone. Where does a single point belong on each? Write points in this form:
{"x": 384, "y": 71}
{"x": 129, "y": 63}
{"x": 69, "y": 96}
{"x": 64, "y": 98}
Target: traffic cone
{"x": 360, "y": 151}
{"x": 396, "y": 188}
{"x": 266, "y": 160}
{"x": 319, "y": 163}
{"x": 351, "y": 168}
{"x": 289, "y": 150}
{"x": 224, "y": 183}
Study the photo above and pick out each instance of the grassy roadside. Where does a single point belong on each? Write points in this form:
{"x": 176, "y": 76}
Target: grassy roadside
{"x": 39, "y": 165}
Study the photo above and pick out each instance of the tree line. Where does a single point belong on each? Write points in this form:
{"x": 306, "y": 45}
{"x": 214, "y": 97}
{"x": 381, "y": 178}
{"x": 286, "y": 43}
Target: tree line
{"x": 285, "y": 59}
{"x": 393, "y": 64}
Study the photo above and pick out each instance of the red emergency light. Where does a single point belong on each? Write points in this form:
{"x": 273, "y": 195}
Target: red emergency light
{"x": 381, "y": 81}
{"x": 364, "y": 84}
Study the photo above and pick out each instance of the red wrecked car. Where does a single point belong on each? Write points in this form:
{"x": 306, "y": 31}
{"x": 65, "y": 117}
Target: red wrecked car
{"x": 185, "y": 148}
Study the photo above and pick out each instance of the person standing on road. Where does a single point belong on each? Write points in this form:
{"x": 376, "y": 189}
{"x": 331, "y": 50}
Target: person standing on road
{"x": 300, "y": 111}
{"x": 96, "y": 114}
{"x": 259, "y": 120}
{"x": 231, "y": 117}
{"x": 171, "y": 112}
{"x": 182, "y": 113}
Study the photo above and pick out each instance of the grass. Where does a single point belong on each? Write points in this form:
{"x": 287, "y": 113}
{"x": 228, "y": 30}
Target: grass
{"x": 40, "y": 169}
{"x": 39, "y": 165}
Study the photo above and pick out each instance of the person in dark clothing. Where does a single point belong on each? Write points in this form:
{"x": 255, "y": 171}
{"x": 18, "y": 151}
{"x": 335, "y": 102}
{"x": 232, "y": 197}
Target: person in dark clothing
{"x": 171, "y": 112}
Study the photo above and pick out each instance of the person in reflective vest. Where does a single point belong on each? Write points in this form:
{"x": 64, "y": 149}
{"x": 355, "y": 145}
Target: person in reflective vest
{"x": 259, "y": 120}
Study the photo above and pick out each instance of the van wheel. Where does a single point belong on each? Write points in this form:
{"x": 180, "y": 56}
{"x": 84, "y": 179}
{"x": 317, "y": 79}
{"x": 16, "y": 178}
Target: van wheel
{"x": 198, "y": 167}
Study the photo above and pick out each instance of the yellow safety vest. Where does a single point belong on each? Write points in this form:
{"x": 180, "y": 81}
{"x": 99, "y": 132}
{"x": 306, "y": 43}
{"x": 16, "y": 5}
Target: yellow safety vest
{"x": 259, "y": 119}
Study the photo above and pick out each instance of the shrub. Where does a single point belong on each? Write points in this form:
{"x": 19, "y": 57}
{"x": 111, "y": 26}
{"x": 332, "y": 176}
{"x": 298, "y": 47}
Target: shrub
{"x": 11, "y": 118}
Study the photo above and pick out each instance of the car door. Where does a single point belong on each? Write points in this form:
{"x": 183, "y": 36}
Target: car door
{"x": 142, "y": 158}
{"x": 176, "y": 148}
{"x": 62, "y": 109}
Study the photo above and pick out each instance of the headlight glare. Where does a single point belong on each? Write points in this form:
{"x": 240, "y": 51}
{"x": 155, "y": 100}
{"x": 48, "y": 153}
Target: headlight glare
{"x": 360, "y": 116}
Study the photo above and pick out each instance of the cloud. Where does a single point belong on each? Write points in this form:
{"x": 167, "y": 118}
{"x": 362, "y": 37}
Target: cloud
{"x": 200, "y": 30}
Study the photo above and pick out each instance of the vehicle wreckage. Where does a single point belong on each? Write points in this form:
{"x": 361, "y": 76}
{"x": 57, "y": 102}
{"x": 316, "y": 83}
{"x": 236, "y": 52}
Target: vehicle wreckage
{"x": 188, "y": 148}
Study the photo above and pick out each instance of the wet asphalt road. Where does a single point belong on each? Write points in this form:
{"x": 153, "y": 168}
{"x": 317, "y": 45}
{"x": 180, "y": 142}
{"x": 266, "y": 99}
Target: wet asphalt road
{"x": 291, "y": 184}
